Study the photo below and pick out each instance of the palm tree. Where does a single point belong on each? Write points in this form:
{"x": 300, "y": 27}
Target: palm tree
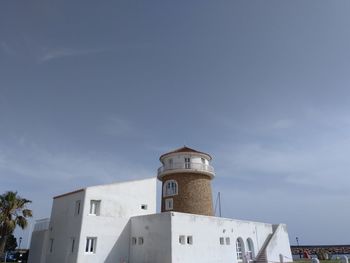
{"x": 13, "y": 212}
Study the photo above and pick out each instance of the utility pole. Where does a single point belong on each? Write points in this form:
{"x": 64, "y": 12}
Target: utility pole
{"x": 218, "y": 203}
{"x": 297, "y": 239}
{"x": 219, "y": 196}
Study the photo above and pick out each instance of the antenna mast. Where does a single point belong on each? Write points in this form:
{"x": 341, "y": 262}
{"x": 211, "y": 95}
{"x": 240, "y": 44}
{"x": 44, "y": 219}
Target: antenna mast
{"x": 218, "y": 202}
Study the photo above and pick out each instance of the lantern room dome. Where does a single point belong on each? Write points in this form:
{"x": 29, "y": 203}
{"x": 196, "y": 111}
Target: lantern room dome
{"x": 185, "y": 160}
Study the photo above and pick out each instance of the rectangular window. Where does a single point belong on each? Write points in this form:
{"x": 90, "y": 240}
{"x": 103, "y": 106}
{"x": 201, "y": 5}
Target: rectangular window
{"x": 133, "y": 241}
{"x": 187, "y": 163}
{"x": 73, "y": 244}
{"x": 169, "y": 204}
{"x": 144, "y": 207}
{"x": 182, "y": 240}
{"x": 51, "y": 245}
{"x": 222, "y": 241}
{"x": 95, "y": 206}
{"x": 190, "y": 240}
{"x": 170, "y": 163}
{"x": 77, "y": 208}
{"x": 140, "y": 240}
{"x": 228, "y": 241}
{"x": 91, "y": 245}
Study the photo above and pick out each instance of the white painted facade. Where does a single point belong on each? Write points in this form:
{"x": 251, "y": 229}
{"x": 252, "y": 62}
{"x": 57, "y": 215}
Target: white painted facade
{"x": 118, "y": 223}
{"x": 39, "y": 241}
{"x": 186, "y": 162}
{"x": 127, "y": 232}
{"x": 72, "y": 223}
{"x": 178, "y": 237}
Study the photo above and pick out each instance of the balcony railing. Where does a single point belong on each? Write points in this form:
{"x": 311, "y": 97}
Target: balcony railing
{"x": 42, "y": 224}
{"x": 186, "y": 166}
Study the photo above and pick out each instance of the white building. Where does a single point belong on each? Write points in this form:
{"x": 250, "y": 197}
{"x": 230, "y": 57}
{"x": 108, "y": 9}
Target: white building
{"x": 118, "y": 222}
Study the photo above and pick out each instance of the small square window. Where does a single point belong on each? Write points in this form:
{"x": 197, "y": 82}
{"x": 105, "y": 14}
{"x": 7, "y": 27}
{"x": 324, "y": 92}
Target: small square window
{"x": 144, "y": 207}
{"x": 190, "y": 240}
{"x": 133, "y": 241}
{"x": 222, "y": 241}
{"x": 140, "y": 240}
{"x": 227, "y": 240}
{"x": 182, "y": 240}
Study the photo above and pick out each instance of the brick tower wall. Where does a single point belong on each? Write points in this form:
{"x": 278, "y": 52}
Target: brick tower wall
{"x": 194, "y": 194}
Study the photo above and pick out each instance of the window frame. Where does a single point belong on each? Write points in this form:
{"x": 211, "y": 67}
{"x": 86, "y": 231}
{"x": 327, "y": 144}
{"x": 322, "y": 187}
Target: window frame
{"x": 187, "y": 162}
{"x": 239, "y": 249}
{"x": 77, "y": 207}
{"x": 250, "y": 249}
{"x": 51, "y": 245}
{"x": 169, "y": 204}
{"x": 182, "y": 239}
{"x": 133, "y": 241}
{"x": 140, "y": 241}
{"x": 90, "y": 245}
{"x": 190, "y": 240}
{"x": 170, "y": 188}
{"x": 95, "y": 207}
{"x": 72, "y": 245}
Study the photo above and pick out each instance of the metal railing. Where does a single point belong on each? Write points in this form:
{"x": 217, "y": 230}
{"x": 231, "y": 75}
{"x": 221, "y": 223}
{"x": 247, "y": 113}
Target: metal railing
{"x": 184, "y": 166}
{"x": 42, "y": 224}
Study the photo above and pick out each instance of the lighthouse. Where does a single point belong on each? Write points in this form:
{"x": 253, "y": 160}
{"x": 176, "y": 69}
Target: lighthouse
{"x": 186, "y": 176}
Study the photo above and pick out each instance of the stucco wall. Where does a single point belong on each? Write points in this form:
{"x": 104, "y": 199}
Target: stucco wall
{"x": 194, "y": 193}
{"x": 279, "y": 245}
{"x": 161, "y": 238}
{"x": 38, "y": 246}
{"x": 64, "y": 226}
{"x": 119, "y": 202}
{"x": 206, "y": 232}
{"x": 156, "y": 233}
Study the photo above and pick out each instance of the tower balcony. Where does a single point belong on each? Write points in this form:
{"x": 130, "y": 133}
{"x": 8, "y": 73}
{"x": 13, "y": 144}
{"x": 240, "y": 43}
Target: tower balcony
{"x": 186, "y": 168}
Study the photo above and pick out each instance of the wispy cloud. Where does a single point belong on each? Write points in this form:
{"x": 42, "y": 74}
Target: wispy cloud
{"x": 43, "y": 167}
{"x": 30, "y": 48}
{"x": 49, "y": 54}
{"x": 39, "y": 173}
{"x": 313, "y": 153}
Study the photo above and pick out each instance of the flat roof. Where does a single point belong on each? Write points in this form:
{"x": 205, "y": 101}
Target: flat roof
{"x": 69, "y": 193}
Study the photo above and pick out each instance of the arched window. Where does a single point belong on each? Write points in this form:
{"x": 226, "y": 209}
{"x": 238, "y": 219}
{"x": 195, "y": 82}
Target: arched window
{"x": 170, "y": 188}
{"x": 250, "y": 249}
{"x": 239, "y": 249}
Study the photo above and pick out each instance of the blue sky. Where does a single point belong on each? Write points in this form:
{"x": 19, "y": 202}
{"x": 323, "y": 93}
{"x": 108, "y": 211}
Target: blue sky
{"x": 92, "y": 93}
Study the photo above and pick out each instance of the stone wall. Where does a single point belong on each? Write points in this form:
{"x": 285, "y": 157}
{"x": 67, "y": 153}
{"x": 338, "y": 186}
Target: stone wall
{"x": 194, "y": 194}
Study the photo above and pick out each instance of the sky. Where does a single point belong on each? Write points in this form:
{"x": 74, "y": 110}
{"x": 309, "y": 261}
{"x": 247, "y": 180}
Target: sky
{"x": 93, "y": 93}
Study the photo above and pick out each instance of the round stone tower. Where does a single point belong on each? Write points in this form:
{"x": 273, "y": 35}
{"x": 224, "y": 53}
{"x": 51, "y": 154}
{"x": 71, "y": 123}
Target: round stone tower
{"x": 186, "y": 176}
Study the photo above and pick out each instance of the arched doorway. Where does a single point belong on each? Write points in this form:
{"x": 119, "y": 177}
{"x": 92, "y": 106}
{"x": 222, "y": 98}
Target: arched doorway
{"x": 240, "y": 249}
{"x": 250, "y": 250}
